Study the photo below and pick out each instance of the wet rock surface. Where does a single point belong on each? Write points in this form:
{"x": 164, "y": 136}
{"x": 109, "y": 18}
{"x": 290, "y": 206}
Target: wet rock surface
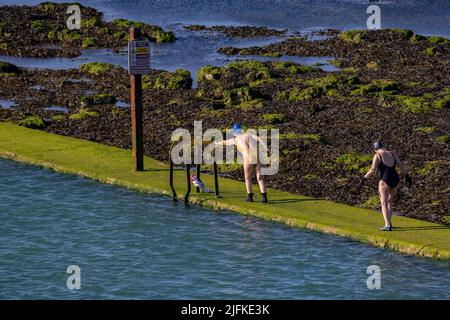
{"x": 388, "y": 88}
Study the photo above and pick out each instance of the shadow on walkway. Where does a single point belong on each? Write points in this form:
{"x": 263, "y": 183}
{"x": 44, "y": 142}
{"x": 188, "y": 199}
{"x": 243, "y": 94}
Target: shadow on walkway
{"x": 420, "y": 228}
{"x": 291, "y": 200}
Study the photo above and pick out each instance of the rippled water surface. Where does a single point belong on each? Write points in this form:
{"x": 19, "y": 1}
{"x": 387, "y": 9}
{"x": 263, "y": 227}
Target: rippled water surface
{"x": 132, "y": 245}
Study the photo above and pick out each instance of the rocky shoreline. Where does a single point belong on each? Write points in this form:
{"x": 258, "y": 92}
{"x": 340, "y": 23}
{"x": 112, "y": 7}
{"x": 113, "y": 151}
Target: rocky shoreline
{"x": 41, "y": 31}
{"x": 390, "y": 85}
{"x": 239, "y": 31}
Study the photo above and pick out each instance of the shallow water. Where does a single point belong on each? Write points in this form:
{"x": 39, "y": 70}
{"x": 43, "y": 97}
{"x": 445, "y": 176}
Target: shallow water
{"x": 133, "y": 245}
{"x": 170, "y": 56}
{"x": 7, "y": 104}
{"x": 57, "y": 108}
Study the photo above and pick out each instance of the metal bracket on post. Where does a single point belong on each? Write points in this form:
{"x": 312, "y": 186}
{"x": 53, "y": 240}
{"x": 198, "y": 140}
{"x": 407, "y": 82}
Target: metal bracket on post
{"x": 198, "y": 176}
{"x": 216, "y": 180}
{"x": 216, "y": 176}
{"x": 174, "y": 193}
{"x": 188, "y": 180}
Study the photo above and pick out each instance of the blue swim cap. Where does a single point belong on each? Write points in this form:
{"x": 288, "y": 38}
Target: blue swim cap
{"x": 237, "y": 129}
{"x": 378, "y": 145}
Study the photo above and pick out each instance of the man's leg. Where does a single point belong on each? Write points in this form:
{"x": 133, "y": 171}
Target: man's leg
{"x": 260, "y": 178}
{"x": 248, "y": 174}
{"x": 262, "y": 185}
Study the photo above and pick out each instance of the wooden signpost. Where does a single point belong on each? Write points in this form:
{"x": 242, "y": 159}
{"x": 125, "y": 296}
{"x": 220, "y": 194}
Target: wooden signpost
{"x": 138, "y": 64}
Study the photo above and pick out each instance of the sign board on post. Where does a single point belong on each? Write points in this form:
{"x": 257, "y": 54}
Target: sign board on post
{"x": 138, "y": 64}
{"x": 138, "y": 57}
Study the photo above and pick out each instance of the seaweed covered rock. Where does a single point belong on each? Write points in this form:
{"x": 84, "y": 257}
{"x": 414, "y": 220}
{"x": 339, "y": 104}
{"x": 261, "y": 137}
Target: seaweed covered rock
{"x": 84, "y": 114}
{"x": 239, "y": 31}
{"x": 97, "y": 67}
{"x": 32, "y": 122}
{"x": 33, "y": 28}
{"x": 180, "y": 79}
{"x": 9, "y": 68}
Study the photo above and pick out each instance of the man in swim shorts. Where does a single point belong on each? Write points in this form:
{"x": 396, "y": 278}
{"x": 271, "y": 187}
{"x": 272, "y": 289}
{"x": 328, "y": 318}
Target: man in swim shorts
{"x": 246, "y": 144}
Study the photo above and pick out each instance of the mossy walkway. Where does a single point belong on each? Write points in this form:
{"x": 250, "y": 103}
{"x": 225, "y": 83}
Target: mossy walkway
{"x": 113, "y": 165}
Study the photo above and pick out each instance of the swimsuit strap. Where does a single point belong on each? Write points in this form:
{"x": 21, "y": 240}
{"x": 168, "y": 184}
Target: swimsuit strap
{"x": 395, "y": 162}
{"x": 380, "y": 157}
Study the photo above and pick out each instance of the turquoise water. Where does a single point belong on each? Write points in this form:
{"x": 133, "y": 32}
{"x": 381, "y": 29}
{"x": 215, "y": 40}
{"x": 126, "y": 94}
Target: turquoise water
{"x": 133, "y": 245}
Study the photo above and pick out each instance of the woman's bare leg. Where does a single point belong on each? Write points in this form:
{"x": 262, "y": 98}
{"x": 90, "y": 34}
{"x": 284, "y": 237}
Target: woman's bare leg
{"x": 384, "y": 191}
{"x": 248, "y": 174}
{"x": 392, "y": 194}
{"x": 260, "y": 178}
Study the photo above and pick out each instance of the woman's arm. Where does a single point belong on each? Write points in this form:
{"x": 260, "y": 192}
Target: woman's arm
{"x": 375, "y": 163}
{"x": 400, "y": 164}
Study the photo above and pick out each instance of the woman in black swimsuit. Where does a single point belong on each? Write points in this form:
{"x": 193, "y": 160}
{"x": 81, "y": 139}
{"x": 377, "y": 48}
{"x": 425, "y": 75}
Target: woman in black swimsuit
{"x": 383, "y": 164}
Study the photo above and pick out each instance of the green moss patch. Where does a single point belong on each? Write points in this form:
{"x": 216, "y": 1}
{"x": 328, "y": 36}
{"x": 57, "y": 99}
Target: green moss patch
{"x": 38, "y": 25}
{"x": 378, "y": 87}
{"x": 128, "y": 23}
{"x": 58, "y": 118}
{"x": 353, "y": 36}
{"x": 417, "y": 38}
{"x": 209, "y": 73}
{"x": 354, "y": 161}
{"x": 431, "y": 165}
{"x": 371, "y": 203}
{"x": 294, "y": 68}
{"x": 33, "y": 122}
{"x": 289, "y": 136}
{"x": 83, "y": 114}
{"x": 312, "y": 137}
{"x": 180, "y": 79}
{"x": 443, "y": 102}
{"x": 254, "y": 70}
{"x": 310, "y": 176}
{"x": 444, "y": 139}
{"x": 89, "y": 43}
{"x": 96, "y": 67}
{"x": 90, "y": 22}
{"x": 414, "y": 104}
{"x": 274, "y": 118}
{"x": 424, "y": 130}
{"x": 71, "y": 35}
{"x": 438, "y": 40}
{"x": 431, "y": 51}
{"x": 164, "y": 36}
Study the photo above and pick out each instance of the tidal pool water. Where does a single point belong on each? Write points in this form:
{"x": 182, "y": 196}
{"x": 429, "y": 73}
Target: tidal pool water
{"x": 131, "y": 245}
{"x": 7, "y": 104}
